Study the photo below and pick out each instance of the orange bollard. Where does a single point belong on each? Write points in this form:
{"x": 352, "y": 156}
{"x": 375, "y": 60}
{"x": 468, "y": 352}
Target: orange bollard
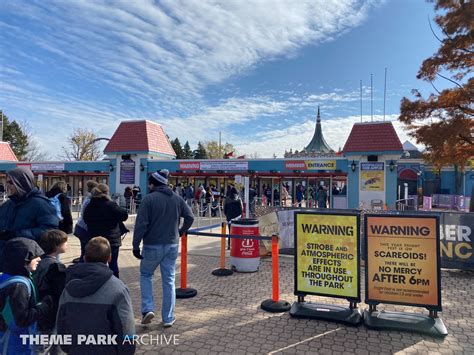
{"x": 223, "y": 230}
{"x": 222, "y": 271}
{"x": 275, "y": 270}
{"x": 274, "y": 305}
{"x": 183, "y": 291}
{"x": 184, "y": 260}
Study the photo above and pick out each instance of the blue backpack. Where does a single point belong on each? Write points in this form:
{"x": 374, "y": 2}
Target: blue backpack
{"x": 57, "y": 205}
{"x": 7, "y": 312}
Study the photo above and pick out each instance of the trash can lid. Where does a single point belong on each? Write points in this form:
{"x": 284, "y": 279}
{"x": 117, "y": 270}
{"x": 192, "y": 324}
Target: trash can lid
{"x": 245, "y": 221}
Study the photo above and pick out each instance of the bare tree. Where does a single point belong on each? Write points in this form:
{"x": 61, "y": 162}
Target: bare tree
{"x": 254, "y": 155}
{"x": 33, "y": 149}
{"x": 82, "y": 145}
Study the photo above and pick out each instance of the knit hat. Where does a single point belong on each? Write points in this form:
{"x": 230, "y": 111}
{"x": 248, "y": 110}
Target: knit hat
{"x": 161, "y": 177}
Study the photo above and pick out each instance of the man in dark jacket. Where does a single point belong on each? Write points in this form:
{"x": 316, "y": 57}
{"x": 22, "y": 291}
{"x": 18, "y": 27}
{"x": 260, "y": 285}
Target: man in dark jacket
{"x": 103, "y": 217}
{"x": 94, "y": 303}
{"x": 17, "y": 293}
{"x": 58, "y": 191}
{"x": 232, "y": 207}
{"x": 27, "y": 213}
{"x": 157, "y": 225}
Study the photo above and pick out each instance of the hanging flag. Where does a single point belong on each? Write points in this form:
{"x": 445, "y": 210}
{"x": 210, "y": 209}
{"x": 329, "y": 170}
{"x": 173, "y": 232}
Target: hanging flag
{"x": 228, "y": 155}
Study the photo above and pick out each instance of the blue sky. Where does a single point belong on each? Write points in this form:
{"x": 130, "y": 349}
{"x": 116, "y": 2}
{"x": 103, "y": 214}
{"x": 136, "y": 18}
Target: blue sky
{"x": 255, "y": 71}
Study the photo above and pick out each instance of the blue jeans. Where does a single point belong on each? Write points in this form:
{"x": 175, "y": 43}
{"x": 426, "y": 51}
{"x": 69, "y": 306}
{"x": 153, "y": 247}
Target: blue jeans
{"x": 165, "y": 256}
{"x": 113, "y": 265}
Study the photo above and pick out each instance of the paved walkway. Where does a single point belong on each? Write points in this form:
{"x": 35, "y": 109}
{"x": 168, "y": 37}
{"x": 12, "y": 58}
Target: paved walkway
{"x": 225, "y": 316}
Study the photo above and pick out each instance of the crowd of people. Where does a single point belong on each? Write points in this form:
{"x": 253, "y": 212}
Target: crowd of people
{"x": 40, "y": 296}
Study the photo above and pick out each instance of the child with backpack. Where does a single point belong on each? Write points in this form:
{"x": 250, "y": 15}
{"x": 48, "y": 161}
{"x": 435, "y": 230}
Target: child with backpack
{"x": 19, "y": 305}
{"x": 50, "y": 275}
{"x": 62, "y": 204}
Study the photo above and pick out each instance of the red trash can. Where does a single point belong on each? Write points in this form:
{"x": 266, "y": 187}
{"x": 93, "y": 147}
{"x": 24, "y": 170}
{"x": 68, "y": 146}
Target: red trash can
{"x": 244, "y": 253}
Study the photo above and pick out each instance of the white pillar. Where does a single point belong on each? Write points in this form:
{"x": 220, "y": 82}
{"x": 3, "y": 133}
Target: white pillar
{"x": 246, "y": 196}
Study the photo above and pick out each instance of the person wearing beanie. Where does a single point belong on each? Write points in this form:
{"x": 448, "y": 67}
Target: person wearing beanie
{"x": 18, "y": 297}
{"x": 103, "y": 217}
{"x": 27, "y": 213}
{"x": 157, "y": 227}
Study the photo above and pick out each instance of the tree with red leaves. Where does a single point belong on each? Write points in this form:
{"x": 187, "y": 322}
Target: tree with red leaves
{"x": 448, "y": 137}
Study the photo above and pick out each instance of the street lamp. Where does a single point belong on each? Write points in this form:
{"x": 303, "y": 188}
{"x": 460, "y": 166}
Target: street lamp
{"x": 391, "y": 165}
{"x": 353, "y": 166}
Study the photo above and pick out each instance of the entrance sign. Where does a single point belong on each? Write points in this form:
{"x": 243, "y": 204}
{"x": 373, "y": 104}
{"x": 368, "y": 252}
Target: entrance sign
{"x": 403, "y": 267}
{"x": 310, "y": 165}
{"x": 327, "y": 264}
{"x": 47, "y": 166}
{"x": 327, "y": 255}
{"x": 224, "y": 165}
{"x": 215, "y": 165}
{"x": 372, "y": 176}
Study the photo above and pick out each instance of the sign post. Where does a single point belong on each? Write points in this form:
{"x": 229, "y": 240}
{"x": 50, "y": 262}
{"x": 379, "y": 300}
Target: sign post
{"x": 327, "y": 264}
{"x": 403, "y": 267}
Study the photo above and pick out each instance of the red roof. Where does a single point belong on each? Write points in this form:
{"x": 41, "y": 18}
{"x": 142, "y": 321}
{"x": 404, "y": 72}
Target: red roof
{"x": 373, "y": 137}
{"x": 141, "y": 136}
{"x": 6, "y": 152}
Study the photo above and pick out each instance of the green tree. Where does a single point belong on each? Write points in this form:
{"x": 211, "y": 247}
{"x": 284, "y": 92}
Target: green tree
{"x": 215, "y": 152}
{"x": 200, "y": 152}
{"x": 178, "y": 149}
{"x": 13, "y": 133}
{"x": 187, "y": 152}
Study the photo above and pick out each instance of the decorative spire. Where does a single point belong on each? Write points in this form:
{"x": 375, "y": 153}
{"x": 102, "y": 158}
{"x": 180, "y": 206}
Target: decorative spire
{"x": 318, "y": 143}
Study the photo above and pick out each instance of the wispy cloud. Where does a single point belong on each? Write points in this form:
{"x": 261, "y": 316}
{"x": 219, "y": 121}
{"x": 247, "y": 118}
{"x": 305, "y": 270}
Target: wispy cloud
{"x": 153, "y": 60}
{"x": 150, "y": 49}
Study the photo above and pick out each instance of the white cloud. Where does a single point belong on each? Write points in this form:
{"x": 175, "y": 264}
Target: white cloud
{"x": 152, "y": 49}
{"x": 152, "y": 60}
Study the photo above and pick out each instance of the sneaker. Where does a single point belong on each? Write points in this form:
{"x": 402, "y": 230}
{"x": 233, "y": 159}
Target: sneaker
{"x": 169, "y": 324}
{"x": 147, "y": 317}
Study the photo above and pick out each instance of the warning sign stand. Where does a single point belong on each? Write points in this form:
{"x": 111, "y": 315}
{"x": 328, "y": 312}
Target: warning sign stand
{"x": 327, "y": 264}
{"x": 403, "y": 267}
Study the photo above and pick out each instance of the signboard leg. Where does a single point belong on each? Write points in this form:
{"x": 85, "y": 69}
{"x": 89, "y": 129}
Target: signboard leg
{"x": 402, "y": 321}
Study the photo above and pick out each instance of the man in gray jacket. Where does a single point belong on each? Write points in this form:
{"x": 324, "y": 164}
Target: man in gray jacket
{"x": 157, "y": 225}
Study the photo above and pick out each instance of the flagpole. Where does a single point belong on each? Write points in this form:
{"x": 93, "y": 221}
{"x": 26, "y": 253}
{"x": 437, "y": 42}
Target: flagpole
{"x": 220, "y": 150}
